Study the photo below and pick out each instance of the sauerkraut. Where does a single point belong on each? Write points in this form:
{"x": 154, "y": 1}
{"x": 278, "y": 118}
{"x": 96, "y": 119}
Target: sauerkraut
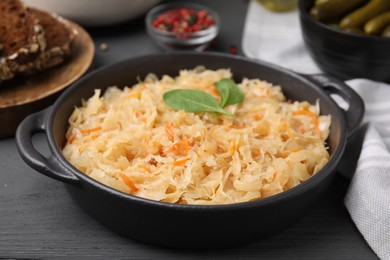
{"x": 128, "y": 139}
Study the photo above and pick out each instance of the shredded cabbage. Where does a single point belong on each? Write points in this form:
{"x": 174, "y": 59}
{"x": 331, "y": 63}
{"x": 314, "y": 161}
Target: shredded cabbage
{"x": 128, "y": 139}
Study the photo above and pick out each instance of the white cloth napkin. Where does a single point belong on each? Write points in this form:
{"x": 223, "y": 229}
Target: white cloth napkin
{"x": 276, "y": 38}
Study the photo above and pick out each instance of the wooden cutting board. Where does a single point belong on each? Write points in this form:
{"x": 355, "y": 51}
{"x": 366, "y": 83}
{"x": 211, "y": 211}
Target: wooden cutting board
{"x": 25, "y": 95}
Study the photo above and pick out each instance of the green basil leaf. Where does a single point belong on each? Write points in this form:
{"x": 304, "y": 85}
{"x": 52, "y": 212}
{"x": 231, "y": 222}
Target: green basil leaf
{"x": 230, "y": 92}
{"x": 223, "y": 88}
{"x": 192, "y": 100}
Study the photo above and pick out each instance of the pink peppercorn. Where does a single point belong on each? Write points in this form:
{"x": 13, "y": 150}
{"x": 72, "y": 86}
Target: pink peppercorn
{"x": 183, "y": 20}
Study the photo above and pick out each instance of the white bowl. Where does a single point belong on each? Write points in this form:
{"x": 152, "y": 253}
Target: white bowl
{"x": 95, "y": 12}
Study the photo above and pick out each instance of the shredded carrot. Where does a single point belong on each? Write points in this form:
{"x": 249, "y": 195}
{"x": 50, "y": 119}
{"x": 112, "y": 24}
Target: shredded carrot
{"x": 296, "y": 150}
{"x": 232, "y": 146}
{"x": 71, "y": 138}
{"x": 180, "y": 162}
{"x": 258, "y": 116}
{"x": 255, "y": 152}
{"x": 214, "y": 91}
{"x": 128, "y": 182}
{"x": 88, "y": 131}
{"x": 143, "y": 119}
{"x": 135, "y": 95}
{"x": 161, "y": 152}
{"x": 314, "y": 119}
{"x": 94, "y": 137}
{"x": 96, "y": 129}
{"x": 305, "y": 112}
{"x": 169, "y": 131}
{"x": 227, "y": 127}
{"x": 181, "y": 147}
{"x": 137, "y": 114}
{"x": 302, "y": 129}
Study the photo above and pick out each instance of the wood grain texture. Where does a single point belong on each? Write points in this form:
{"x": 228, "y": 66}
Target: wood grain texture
{"x": 39, "y": 220}
{"x": 24, "y": 95}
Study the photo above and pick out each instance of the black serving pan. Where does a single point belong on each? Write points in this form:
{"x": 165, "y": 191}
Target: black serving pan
{"x": 190, "y": 226}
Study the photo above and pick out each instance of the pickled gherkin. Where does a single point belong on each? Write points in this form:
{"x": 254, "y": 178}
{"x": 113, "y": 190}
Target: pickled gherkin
{"x": 377, "y": 24}
{"x": 386, "y": 32}
{"x": 359, "y": 17}
{"x": 332, "y": 9}
{"x": 371, "y": 17}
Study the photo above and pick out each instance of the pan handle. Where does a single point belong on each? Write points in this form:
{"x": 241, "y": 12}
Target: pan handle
{"x": 49, "y": 166}
{"x": 354, "y": 112}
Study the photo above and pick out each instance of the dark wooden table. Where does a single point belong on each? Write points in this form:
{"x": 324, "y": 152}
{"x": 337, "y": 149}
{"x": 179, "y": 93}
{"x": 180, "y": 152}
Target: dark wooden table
{"x": 39, "y": 220}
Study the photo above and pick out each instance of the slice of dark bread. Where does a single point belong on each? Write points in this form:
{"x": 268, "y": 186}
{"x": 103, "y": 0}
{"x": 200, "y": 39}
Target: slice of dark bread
{"x": 21, "y": 38}
{"x": 59, "y": 38}
{"x": 31, "y": 40}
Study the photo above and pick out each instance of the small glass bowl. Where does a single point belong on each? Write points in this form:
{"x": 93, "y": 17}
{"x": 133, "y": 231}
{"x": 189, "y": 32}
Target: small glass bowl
{"x": 197, "y": 41}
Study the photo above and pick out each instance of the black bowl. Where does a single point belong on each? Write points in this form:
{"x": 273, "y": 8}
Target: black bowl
{"x": 344, "y": 54}
{"x": 190, "y": 226}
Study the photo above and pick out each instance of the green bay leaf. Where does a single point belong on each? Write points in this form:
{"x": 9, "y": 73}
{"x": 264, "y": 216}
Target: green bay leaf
{"x": 229, "y": 91}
